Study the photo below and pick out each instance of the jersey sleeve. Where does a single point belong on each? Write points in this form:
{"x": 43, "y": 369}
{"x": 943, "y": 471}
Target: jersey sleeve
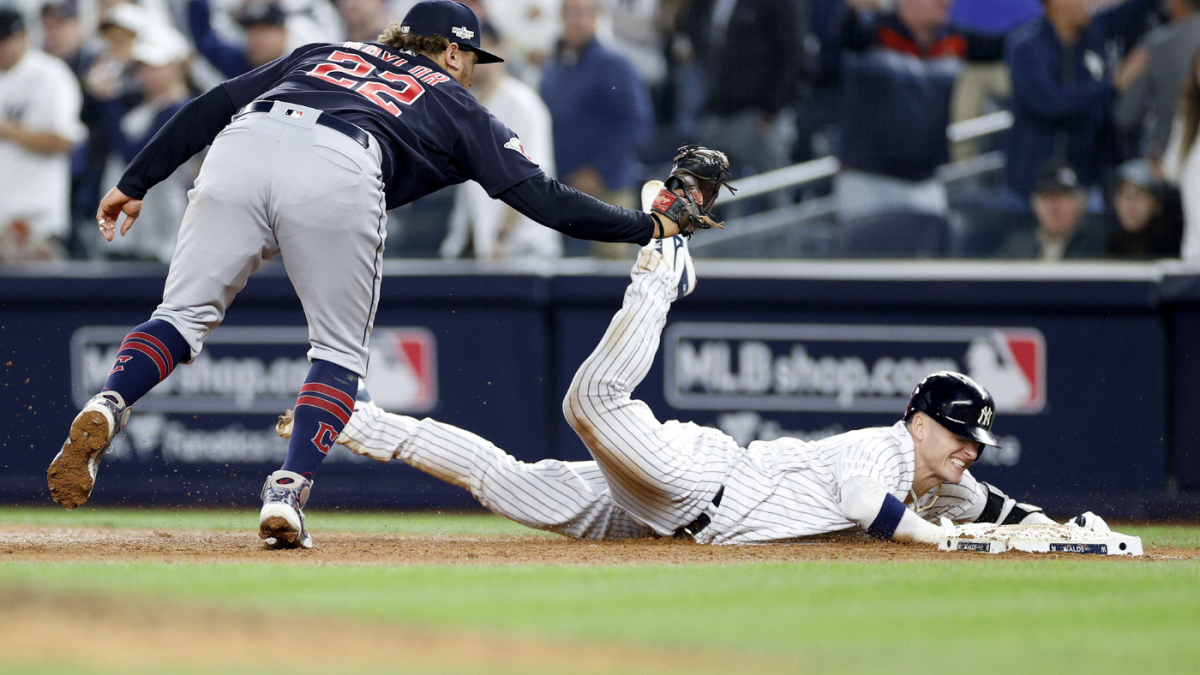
{"x": 492, "y": 155}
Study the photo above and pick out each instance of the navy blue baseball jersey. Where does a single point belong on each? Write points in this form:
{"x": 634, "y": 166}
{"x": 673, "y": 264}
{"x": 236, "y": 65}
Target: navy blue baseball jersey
{"x": 433, "y": 133}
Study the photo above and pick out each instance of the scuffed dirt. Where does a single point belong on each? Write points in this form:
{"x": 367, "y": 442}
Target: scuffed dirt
{"x": 48, "y": 544}
{"x": 45, "y": 632}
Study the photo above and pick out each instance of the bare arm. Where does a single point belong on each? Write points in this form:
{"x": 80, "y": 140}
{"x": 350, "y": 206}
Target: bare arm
{"x": 41, "y": 142}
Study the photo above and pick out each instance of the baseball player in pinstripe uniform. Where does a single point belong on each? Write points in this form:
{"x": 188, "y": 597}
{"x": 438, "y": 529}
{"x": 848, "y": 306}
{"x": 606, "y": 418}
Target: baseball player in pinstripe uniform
{"x": 650, "y": 478}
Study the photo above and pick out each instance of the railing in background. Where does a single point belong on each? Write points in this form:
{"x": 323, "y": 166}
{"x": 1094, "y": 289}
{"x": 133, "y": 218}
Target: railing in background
{"x": 823, "y": 168}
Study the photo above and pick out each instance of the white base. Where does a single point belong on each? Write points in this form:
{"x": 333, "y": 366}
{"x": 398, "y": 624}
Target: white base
{"x": 1040, "y": 539}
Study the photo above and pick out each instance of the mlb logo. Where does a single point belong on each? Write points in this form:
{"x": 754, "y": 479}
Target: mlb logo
{"x": 1011, "y": 364}
{"x": 514, "y": 143}
{"x": 292, "y": 112}
{"x": 402, "y": 373}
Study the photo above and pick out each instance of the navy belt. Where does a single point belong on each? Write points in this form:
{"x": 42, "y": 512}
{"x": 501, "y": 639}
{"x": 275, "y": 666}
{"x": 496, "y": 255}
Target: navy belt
{"x": 696, "y": 526}
{"x": 324, "y": 119}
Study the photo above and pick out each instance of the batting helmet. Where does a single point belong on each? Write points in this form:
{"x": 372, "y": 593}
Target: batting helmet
{"x": 958, "y": 403}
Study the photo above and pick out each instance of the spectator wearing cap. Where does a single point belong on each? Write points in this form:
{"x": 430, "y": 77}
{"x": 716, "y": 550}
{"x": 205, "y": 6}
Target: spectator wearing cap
{"x": 265, "y": 24}
{"x": 601, "y": 112}
{"x": 1064, "y": 88}
{"x": 897, "y": 85}
{"x": 39, "y": 126}
{"x": 160, "y": 61}
{"x": 488, "y": 227}
{"x": 1059, "y": 204}
{"x": 1147, "y": 214}
{"x": 111, "y": 75}
{"x": 1158, "y": 68}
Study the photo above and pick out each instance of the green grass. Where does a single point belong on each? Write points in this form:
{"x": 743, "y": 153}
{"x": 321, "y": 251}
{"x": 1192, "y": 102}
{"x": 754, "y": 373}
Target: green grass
{"x": 987, "y": 615}
{"x": 1098, "y": 616}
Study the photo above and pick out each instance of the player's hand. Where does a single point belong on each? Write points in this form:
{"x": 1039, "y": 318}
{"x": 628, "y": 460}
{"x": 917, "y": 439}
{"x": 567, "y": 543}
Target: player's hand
{"x": 111, "y": 207}
{"x": 1089, "y": 521}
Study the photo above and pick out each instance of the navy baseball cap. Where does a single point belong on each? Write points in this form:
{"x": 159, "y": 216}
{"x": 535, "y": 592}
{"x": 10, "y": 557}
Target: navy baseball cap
{"x": 452, "y": 20}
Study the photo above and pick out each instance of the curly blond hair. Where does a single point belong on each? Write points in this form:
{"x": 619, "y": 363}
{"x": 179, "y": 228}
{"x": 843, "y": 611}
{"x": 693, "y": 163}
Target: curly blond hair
{"x": 430, "y": 45}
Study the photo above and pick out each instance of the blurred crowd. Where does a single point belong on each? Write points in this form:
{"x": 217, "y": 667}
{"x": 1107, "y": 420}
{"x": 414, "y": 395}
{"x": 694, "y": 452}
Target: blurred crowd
{"x": 1099, "y": 158}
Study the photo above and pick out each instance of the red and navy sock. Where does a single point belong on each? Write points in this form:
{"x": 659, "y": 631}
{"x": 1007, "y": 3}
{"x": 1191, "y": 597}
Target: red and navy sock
{"x": 322, "y": 411}
{"x": 147, "y": 357}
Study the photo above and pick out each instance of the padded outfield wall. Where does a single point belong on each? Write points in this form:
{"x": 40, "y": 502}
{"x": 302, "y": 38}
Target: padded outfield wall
{"x": 1093, "y": 367}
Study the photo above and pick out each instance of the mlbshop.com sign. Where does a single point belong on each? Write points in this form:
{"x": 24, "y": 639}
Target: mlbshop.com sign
{"x": 247, "y": 370}
{"x": 845, "y": 368}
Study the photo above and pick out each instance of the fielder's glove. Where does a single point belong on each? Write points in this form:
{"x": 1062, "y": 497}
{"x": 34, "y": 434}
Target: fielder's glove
{"x": 688, "y": 195}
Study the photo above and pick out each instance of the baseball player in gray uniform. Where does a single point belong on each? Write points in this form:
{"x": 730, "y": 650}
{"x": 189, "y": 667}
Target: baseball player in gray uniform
{"x": 650, "y": 478}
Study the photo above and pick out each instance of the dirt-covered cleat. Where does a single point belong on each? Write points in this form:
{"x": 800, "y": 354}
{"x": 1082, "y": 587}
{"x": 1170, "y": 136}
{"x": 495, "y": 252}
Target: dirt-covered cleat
{"x": 72, "y": 474}
{"x": 281, "y": 521}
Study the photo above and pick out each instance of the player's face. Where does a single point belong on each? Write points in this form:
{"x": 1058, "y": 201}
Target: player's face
{"x": 944, "y": 454}
{"x": 461, "y": 64}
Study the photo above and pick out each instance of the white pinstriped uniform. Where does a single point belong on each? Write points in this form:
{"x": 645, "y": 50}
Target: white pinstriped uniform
{"x": 651, "y": 478}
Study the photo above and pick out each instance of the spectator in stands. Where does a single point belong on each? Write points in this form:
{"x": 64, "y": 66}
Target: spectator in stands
{"x": 364, "y": 19}
{"x": 531, "y": 27}
{"x": 161, "y": 64}
{"x": 1149, "y": 221}
{"x": 491, "y": 228}
{"x": 39, "y": 126}
{"x": 1064, "y": 89}
{"x": 1059, "y": 204}
{"x": 984, "y": 87}
{"x": 265, "y": 24}
{"x": 1163, "y": 60}
{"x": 1181, "y": 162}
{"x": 63, "y": 36}
{"x": 601, "y": 112}
{"x": 270, "y": 32}
{"x": 111, "y": 75}
{"x": 751, "y": 52}
{"x": 896, "y": 104}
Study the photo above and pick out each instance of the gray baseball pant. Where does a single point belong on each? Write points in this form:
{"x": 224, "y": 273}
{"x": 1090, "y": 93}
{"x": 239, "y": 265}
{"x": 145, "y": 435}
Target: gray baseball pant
{"x": 276, "y": 183}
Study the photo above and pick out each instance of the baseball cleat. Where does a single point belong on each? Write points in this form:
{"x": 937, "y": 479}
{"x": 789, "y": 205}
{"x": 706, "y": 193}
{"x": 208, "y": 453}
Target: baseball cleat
{"x": 72, "y": 474}
{"x": 669, "y": 259}
{"x": 281, "y": 521}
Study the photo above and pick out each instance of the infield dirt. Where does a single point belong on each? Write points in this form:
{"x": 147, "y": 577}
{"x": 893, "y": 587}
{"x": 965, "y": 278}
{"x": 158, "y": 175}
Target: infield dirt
{"x": 50, "y": 544}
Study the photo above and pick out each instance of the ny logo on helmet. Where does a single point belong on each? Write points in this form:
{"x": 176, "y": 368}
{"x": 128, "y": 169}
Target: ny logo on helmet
{"x": 985, "y": 416}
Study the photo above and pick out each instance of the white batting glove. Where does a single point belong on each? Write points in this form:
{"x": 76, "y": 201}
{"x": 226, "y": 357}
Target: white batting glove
{"x": 1089, "y": 521}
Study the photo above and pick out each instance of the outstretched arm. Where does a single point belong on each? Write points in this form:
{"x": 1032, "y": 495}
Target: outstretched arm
{"x": 866, "y": 503}
{"x": 559, "y": 207}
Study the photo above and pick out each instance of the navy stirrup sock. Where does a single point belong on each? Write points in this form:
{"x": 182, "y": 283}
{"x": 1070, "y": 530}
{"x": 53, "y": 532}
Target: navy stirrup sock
{"x": 322, "y": 411}
{"x": 148, "y": 355}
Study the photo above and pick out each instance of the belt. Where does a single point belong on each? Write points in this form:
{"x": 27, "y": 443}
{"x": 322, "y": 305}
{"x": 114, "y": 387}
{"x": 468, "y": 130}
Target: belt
{"x": 696, "y": 526}
{"x": 324, "y": 119}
